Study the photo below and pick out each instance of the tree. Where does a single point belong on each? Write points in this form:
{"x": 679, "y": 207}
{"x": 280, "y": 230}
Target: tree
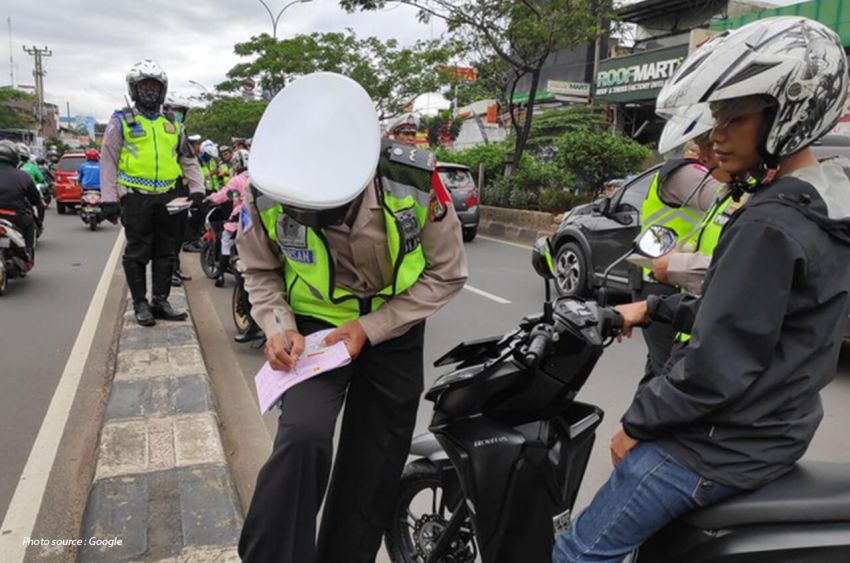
{"x": 12, "y": 115}
{"x": 392, "y": 75}
{"x": 225, "y": 117}
{"x": 521, "y": 33}
{"x": 597, "y": 156}
{"x": 441, "y": 129}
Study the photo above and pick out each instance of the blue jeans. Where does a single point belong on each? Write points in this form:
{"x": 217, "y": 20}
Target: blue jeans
{"x": 647, "y": 490}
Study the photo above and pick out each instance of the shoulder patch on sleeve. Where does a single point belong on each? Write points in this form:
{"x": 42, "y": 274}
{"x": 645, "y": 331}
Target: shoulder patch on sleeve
{"x": 412, "y": 156}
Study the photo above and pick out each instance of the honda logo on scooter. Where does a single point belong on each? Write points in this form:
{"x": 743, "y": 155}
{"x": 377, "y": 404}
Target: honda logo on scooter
{"x": 489, "y": 441}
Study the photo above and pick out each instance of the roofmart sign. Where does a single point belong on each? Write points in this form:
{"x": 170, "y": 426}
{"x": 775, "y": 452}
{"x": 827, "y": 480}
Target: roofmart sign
{"x": 639, "y": 76}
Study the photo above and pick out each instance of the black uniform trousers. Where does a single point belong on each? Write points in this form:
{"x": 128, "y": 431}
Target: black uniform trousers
{"x": 151, "y": 237}
{"x": 381, "y": 389}
{"x": 659, "y": 337}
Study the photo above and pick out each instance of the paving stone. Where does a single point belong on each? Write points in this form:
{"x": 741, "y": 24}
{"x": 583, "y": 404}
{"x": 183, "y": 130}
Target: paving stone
{"x": 159, "y": 397}
{"x": 159, "y": 362}
{"x": 116, "y": 508}
{"x": 208, "y": 506}
{"x": 161, "y": 335}
{"x": 197, "y": 441}
{"x": 182, "y": 515}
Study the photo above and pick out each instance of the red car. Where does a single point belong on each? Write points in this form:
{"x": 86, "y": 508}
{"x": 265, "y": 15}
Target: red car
{"x": 65, "y": 187}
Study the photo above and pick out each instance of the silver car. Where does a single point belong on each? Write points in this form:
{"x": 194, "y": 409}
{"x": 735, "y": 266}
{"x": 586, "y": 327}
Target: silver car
{"x": 458, "y": 179}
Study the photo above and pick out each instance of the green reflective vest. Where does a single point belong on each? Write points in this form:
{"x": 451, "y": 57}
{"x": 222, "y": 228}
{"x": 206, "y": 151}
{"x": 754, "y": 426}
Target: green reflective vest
{"x": 308, "y": 267}
{"x": 223, "y": 168}
{"x": 683, "y": 220}
{"x": 149, "y": 159}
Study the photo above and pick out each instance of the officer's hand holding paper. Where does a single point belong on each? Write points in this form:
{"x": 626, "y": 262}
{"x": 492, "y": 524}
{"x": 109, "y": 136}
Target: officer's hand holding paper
{"x": 316, "y": 359}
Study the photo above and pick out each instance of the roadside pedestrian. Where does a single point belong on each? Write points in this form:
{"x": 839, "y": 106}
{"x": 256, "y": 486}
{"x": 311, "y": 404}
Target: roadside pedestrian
{"x": 338, "y": 235}
{"x": 144, "y": 153}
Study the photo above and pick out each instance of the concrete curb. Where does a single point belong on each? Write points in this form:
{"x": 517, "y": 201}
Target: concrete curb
{"x": 516, "y": 225}
{"x": 162, "y": 486}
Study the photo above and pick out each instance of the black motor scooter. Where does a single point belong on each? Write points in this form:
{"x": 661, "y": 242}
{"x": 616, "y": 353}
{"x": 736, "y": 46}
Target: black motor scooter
{"x": 509, "y": 445}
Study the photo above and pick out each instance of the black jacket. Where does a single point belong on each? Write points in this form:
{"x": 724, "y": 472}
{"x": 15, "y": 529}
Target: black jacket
{"x": 17, "y": 191}
{"x": 741, "y": 404}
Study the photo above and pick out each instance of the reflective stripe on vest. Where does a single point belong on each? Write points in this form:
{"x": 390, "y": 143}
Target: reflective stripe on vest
{"x": 309, "y": 269}
{"x": 148, "y": 159}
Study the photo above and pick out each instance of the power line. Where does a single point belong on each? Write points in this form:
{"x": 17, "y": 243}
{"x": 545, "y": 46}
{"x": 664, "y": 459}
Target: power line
{"x": 38, "y": 73}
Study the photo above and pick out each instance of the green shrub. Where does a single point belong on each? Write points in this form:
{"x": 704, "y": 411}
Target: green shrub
{"x": 599, "y": 155}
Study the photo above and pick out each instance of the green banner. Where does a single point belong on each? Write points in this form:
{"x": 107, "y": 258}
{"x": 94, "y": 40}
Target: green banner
{"x": 833, "y": 13}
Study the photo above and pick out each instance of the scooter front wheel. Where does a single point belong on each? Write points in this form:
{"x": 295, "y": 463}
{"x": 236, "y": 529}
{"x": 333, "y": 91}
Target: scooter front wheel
{"x": 209, "y": 261}
{"x": 427, "y": 525}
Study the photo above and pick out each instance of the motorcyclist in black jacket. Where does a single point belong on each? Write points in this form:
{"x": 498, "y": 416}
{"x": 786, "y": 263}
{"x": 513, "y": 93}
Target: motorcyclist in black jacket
{"x": 741, "y": 403}
{"x": 18, "y": 196}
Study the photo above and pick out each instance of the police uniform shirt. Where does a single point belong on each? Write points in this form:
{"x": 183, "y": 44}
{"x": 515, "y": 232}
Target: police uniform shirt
{"x": 362, "y": 265}
{"x": 110, "y": 153}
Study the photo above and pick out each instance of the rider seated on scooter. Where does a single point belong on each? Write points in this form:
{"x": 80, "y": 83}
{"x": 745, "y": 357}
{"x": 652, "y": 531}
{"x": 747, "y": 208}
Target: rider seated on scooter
{"x": 741, "y": 403}
{"x": 18, "y": 197}
{"x": 234, "y": 191}
{"x": 89, "y": 171}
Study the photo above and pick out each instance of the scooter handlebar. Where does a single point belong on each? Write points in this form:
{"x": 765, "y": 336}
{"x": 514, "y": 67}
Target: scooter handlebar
{"x": 540, "y": 341}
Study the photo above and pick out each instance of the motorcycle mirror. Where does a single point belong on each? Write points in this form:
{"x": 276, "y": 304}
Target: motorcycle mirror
{"x": 656, "y": 241}
{"x": 541, "y": 258}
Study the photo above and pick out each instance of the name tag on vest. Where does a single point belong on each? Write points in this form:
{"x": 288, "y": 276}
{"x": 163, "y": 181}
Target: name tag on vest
{"x": 137, "y": 131}
{"x": 302, "y": 255}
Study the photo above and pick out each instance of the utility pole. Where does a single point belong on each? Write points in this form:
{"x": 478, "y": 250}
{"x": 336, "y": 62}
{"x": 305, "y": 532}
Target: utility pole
{"x": 38, "y": 73}
{"x": 11, "y": 58}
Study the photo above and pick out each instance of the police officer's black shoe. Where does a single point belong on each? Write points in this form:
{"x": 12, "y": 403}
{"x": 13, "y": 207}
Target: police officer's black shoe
{"x": 176, "y": 281}
{"x": 161, "y": 309}
{"x": 192, "y": 246}
{"x": 219, "y": 280}
{"x": 144, "y": 315}
{"x": 253, "y": 333}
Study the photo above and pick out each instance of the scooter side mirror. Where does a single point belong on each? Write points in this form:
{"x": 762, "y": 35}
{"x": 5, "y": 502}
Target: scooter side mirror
{"x": 541, "y": 259}
{"x": 656, "y": 241}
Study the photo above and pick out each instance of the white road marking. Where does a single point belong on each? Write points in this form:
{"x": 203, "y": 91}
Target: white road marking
{"x": 29, "y": 493}
{"x": 516, "y": 244}
{"x": 483, "y": 293}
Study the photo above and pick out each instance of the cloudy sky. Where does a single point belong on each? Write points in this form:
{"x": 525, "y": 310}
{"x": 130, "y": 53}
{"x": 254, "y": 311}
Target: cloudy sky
{"x": 94, "y": 42}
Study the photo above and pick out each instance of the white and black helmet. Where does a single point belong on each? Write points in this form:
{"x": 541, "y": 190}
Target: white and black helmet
{"x": 797, "y": 65}
{"x": 144, "y": 70}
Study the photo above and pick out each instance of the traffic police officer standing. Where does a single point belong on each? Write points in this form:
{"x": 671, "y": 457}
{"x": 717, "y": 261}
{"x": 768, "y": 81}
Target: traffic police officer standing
{"x": 340, "y": 235}
{"x": 142, "y": 156}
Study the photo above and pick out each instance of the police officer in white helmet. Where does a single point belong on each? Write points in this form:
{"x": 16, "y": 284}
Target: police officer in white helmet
{"x": 338, "y": 233}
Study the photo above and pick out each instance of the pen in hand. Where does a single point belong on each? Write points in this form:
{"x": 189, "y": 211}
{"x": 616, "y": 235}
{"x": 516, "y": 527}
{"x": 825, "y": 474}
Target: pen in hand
{"x": 282, "y": 329}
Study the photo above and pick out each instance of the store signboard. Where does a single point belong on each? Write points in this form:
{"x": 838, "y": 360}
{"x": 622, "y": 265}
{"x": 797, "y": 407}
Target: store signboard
{"x": 639, "y": 76}
{"x": 566, "y": 88}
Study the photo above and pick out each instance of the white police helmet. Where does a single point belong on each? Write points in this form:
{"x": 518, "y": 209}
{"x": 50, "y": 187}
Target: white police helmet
{"x": 317, "y": 145}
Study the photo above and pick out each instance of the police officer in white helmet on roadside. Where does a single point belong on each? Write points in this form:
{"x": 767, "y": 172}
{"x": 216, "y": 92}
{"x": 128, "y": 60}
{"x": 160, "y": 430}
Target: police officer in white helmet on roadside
{"x": 337, "y": 233}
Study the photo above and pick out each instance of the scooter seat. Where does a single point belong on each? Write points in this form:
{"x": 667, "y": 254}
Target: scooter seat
{"x": 814, "y": 491}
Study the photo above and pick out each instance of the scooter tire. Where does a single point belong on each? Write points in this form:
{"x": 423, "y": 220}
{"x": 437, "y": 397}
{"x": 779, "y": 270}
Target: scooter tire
{"x": 93, "y": 224}
{"x": 418, "y": 476}
{"x": 209, "y": 261}
{"x": 241, "y": 319}
{"x": 4, "y": 277}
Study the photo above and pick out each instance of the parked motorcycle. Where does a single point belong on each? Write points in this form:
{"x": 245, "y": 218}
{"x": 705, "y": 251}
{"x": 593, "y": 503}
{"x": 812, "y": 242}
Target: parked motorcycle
{"x": 211, "y": 239}
{"x": 509, "y": 445}
{"x": 90, "y": 209}
{"x": 14, "y": 261}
